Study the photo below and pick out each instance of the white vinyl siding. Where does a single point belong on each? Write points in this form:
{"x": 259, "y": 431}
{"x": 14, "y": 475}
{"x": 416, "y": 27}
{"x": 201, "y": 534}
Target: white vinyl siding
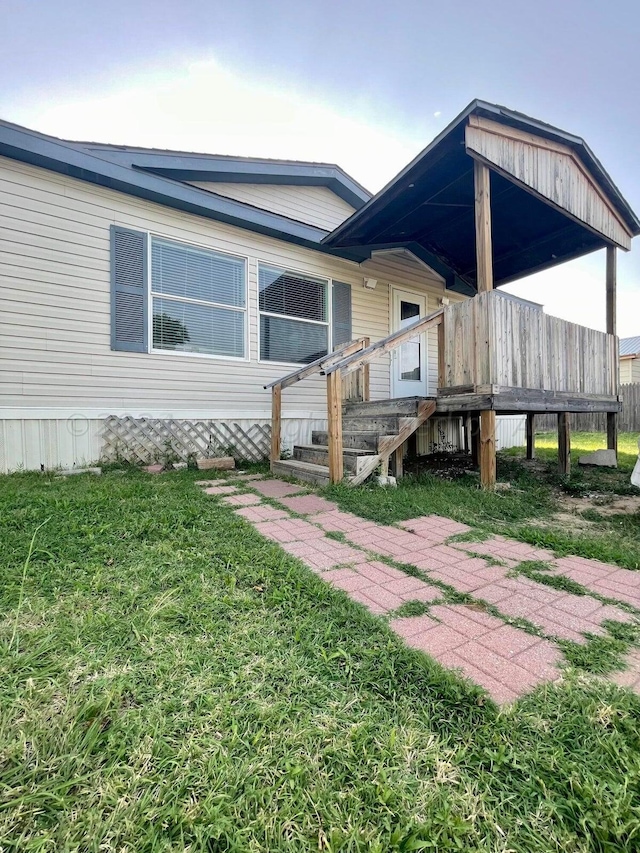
{"x": 629, "y": 370}
{"x": 317, "y": 206}
{"x": 55, "y": 350}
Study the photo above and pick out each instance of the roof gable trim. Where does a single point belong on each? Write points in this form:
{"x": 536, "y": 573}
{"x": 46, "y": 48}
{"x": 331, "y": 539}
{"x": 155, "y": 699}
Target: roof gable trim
{"x": 565, "y": 184}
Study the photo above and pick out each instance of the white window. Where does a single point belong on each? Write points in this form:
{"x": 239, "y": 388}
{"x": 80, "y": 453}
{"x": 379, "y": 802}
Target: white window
{"x": 198, "y": 300}
{"x": 294, "y": 316}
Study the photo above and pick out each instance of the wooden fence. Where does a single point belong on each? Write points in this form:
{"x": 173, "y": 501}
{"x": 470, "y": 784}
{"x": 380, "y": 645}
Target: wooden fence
{"x": 628, "y": 419}
{"x": 496, "y": 340}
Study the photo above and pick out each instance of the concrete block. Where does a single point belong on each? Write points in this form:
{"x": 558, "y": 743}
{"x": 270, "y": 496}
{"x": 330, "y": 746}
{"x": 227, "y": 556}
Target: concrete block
{"x": 387, "y": 481}
{"x": 635, "y": 477}
{"x": 601, "y": 458}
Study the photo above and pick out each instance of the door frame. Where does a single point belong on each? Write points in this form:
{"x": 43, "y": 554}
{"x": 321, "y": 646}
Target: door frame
{"x": 399, "y": 387}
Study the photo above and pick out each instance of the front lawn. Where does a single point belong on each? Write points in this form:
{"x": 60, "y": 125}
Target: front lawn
{"x": 529, "y": 509}
{"x": 173, "y": 682}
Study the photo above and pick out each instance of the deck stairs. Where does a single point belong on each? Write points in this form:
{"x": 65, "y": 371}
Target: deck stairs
{"x": 371, "y": 432}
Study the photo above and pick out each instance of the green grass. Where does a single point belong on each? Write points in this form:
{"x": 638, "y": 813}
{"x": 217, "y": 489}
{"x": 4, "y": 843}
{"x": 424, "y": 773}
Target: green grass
{"x": 173, "y": 682}
{"x": 526, "y": 510}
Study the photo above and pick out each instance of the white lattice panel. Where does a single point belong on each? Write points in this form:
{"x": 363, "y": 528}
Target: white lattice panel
{"x": 138, "y": 440}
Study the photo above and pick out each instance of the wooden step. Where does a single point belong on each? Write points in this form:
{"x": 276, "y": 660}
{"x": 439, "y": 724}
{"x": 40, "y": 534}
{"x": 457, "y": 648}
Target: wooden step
{"x": 363, "y": 440}
{"x": 403, "y": 406}
{"x": 318, "y": 454}
{"x": 306, "y": 471}
{"x": 380, "y": 424}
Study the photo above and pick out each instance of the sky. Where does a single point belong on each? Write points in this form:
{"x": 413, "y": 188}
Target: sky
{"x": 365, "y": 85}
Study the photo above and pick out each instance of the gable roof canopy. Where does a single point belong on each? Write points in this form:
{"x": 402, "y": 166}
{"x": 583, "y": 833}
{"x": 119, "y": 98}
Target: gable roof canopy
{"x": 551, "y": 200}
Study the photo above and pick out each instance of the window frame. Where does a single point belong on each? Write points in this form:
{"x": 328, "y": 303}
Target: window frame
{"x": 245, "y": 309}
{"x": 328, "y": 323}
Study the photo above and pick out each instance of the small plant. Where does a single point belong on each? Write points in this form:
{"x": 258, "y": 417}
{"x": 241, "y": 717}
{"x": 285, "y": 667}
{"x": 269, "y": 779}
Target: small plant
{"x": 25, "y": 568}
{"x": 169, "y": 456}
{"x": 411, "y": 608}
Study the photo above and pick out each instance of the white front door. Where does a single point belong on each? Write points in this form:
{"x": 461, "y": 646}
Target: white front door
{"x": 409, "y": 360}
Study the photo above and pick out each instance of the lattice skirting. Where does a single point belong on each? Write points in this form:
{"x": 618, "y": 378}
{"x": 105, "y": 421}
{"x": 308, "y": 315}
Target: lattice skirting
{"x": 144, "y": 440}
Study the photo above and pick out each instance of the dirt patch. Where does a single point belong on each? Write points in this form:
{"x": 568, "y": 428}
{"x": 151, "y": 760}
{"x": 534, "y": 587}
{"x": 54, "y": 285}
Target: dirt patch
{"x": 448, "y": 466}
{"x": 602, "y": 504}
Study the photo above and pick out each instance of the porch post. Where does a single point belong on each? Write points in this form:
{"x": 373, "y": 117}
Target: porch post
{"x": 487, "y": 449}
{"x": 531, "y": 436}
{"x": 484, "y": 251}
{"x": 334, "y": 412}
{"x": 612, "y": 417}
{"x": 276, "y": 421}
{"x": 564, "y": 443}
{"x": 484, "y": 280}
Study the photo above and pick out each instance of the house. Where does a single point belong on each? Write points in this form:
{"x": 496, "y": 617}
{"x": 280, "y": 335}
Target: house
{"x": 629, "y": 360}
{"x": 159, "y": 302}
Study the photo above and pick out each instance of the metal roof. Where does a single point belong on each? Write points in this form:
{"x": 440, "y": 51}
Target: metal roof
{"x": 429, "y": 208}
{"x": 190, "y": 166}
{"x": 99, "y": 167}
{"x": 630, "y": 346}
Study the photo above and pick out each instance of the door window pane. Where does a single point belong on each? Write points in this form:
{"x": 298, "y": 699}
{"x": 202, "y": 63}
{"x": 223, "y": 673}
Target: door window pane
{"x": 410, "y": 352}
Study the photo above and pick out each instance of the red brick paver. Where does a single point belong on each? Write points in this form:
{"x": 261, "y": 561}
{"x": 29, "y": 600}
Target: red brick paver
{"x": 629, "y": 677}
{"x": 276, "y": 488}
{"x": 241, "y": 500}
{"x": 220, "y": 490}
{"x": 262, "y": 513}
{"x": 308, "y": 504}
{"x": 503, "y": 659}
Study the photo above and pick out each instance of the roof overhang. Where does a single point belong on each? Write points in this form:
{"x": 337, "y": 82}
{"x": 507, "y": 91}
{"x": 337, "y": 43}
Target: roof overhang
{"x": 244, "y": 170}
{"x": 27, "y": 146}
{"x": 430, "y": 204}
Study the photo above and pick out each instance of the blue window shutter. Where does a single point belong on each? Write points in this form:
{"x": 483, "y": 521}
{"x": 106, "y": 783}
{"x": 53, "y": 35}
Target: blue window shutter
{"x": 129, "y": 291}
{"x": 341, "y": 297}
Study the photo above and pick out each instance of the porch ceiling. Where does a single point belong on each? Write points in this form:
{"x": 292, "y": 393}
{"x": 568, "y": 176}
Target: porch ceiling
{"x": 429, "y": 209}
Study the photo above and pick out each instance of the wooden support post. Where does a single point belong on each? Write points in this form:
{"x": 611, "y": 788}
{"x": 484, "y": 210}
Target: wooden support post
{"x": 484, "y": 251}
{"x": 334, "y": 411}
{"x": 612, "y": 431}
{"x": 531, "y": 436}
{"x": 488, "y": 449}
{"x": 276, "y": 423}
{"x": 366, "y": 374}
{"x": 398, "y": 457}
{"x": 564, "y": 443}
{"x": 474, "y": 421}
{"x": 441, "y": 362}
{"x": 612, "y": 417}
{"x": 466, "y": 426}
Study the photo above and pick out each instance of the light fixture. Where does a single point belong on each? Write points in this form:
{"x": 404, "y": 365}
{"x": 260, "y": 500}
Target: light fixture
{"x": 444, "y": 300}
{"x": 370, "y": 283}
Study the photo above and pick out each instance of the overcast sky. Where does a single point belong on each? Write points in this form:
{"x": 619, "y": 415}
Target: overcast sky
{"x": 363, "y": 84}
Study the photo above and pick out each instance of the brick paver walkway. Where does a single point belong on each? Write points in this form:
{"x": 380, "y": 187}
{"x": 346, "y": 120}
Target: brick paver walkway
{"x": 475, "y": 638}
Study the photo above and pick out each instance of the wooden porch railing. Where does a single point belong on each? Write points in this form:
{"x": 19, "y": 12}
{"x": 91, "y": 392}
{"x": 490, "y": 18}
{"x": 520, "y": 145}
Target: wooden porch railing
{"x": 320, "y": 365}
{"x": 339, "y": 369}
